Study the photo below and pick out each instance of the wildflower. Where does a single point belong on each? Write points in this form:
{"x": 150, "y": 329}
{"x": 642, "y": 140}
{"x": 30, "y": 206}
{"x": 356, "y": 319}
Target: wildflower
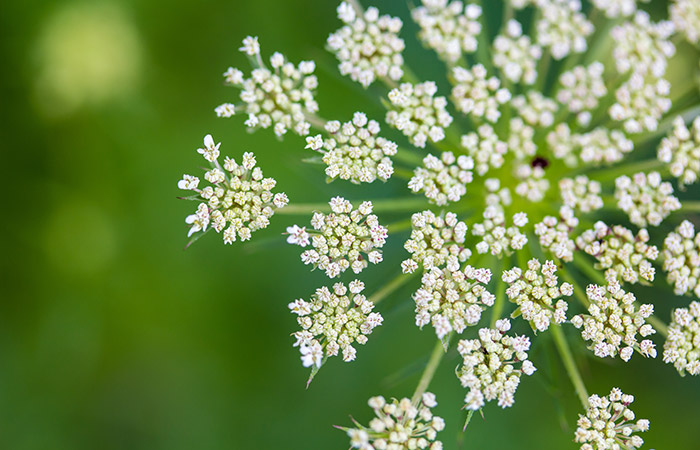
{"x": 521, "y": 142}
{"x": 563, "y": 144}
{"x": 450, "y": 28}
{"x": 645, "y": 198}
{"x": 562, "y": 28}
{"x": 340, "y": 239}
{"x": 444, "y": 179}
{"x": 280, "y": 97}
{"x": 603, "y": 146}
{"x": 609, "y": 424}
{"x": 681, "y": 150}
{"x": 417, "y": 113}
{"x": 492, "y": 366}
{"x": 616, "y": 8}
{"x": 433, "y": 239}
{"x": 681, "y": 256}
{"x": 354, "y": 152}
{"x": 515, "y": 55}
{"x": 496, "y": 237}
{"x": 613, "y": 322}
{"x": 581, "y": 194}
{"x": 643, "y": 46}
{"x": 534, "y": 184}
{"x": 682, "y": 347}
{"x": 641, "y": 101}
{"x": 368, "y": 46}
{"x": 617, "y": 248}
{"x": 536, "y": 109}
{"x": 554, "y": 233}
{"x": 477, "y": 95}
{"x": 332, "y": 321}
{"x": 485, "y": 148}
{"x": 238, "y": 196}
{"x": 452, "y": 298}
{"x": 399, "y": 425}
{"x": 536, "y": 292}
{"x": 582, "y": 87}
{"x": 685, "y": 15}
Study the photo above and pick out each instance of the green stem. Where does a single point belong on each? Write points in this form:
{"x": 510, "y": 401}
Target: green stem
{"x": 626, "y": 169}
{"x": 500, "y": 301}
{"x": 433, "y": 362}
{"x": 382, "y": 205}
{"x": 690, "y": 206}
{"x": 390, "y": 287}
{"x": 570, "y": 365}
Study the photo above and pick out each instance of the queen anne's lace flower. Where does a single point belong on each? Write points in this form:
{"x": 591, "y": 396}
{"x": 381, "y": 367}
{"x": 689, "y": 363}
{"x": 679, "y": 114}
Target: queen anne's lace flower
{"x": 332, "y": 321}
{"x": 534, "y": 185}
{"x": 492, "y": 366}
{"x": 582, "y": 87}
{"x": 354, "y": 151}
{"x": 609, "y": 424}
{"x": 238, "y": 196}
{"x": 368, "y": 46}
{"x": 443, "y": 179}
{"x": 477, "y": 95}
{"x": 496, "y": 237}
{"x": 613, "y": 322}
{"x": 685, "y": 15}
{"x": 536, "y": 291}
{"x": 562, "y": 28}
{"x": 280, "y": 97}
{"x": 604, "y": 146}
{"x": 535, "y": 108}
{"x": 399, "y": 425}
{"x": 645, "y": 198}
{"x": 681, "y": 150}
{"x": 681, "y": 258}
{"x": 642, "y": 46}
{"x": 641, "y": 102}
{"x": 617, "y": 248}
{"x": 433, "y": 239}
{"x": 682, "y": 347}
{"x": 515, "y": 54}
{"x": 340, "y": 238}
{"x": 563, "y": 144}
{"x": 450, "y": 28}
{"x": 521, "y": 139}
{"x": 554, "y": 234}
{"x": 486, "y": 149}
{"x": 418, "y": 114}
{"x": 616, "y": 8}
{"x": 581, "y": 194}
{"x": 452, "y": 298}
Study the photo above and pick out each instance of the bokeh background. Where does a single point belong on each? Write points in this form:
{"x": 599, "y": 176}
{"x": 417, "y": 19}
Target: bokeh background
{"x": 113, "y": 337}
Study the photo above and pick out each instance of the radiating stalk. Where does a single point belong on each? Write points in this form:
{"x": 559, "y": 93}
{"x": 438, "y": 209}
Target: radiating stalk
{"x": 391, "y": 287}
{"x": 429, "y": 372}
{"x": 569, "y": 364}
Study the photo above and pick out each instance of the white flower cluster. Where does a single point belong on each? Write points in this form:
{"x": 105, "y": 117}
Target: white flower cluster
{"x": 496, "y": 238}
{"x": 492, "y": 366}
{"x": 617, "y": 248}
{"x": 535, "y": 292}
{"x": 399, "y": 425}
{"x": 643, "y": 46}
{"x": 433, "y": 239}
{"x": 685, "y": 15}
{"x": 581, "y": 194}
{"x": 418, "y": 114}
{"x": 516, "y": 55}
{"x": 581, "y": 89}
{"x": 473, "y": 93}
{"x": 609, "y": 424}
{"x": 682, "y": 347}
{"x": 534, "y": 185}
{"x": 486, "y": 149}
{"x": 443, "y": 179}
{"x": 368, "y": 46}
{"x": 641, "y": 102}
{"x": 341, "y": 237}
{"x": 681, "y": 150}
{"x": 603, "y": 146}
{"x": 521, "y": 143}
{"x": 239, "y": 196}
{"x": 562, "y": 27}
{"x": 452, "y": 298}
{"x": 354, "y": 151}
{"x": 450, "y": 29}
{"x": 681, "y": 257}
{"x": 535, "y": 108}
{"x": 332, "y": 322}
{"x": 613, "y": 322}
{"x": 563, "y": 144}
{"x": 616, "y": 8}
{"x": 280, "y": 97}
{"x": 645, "y": 198}
{"x": 554, "y": 234}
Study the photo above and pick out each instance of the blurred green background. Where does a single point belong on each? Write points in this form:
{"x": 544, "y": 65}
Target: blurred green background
{"x": 113, "y": 337}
